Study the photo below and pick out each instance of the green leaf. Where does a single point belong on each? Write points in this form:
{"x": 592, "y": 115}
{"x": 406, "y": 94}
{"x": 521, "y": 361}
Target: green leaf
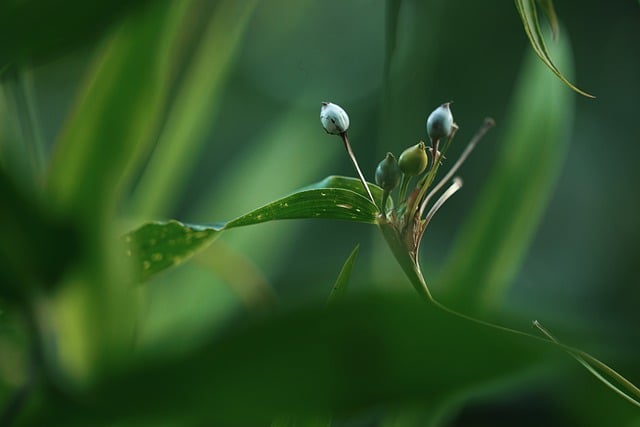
{"x": 493, "y": 241}
{"x": 550, "y": 11}
{"x": 342, "y": 282}
{"x": 353, "y": 184}
{"x": 529, "y": 16}
{"x": 196, "y": 102}
{"x": 159, "y": 245}
{"x": 115, "y": 117}
{"x": 35, "y": 30}
{"x": 355, "y": 355}
{"x": 36, "y": 247}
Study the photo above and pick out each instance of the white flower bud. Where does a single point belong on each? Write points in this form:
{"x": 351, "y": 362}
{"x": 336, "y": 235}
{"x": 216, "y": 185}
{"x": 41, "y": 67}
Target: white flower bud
{"x": 334, "y": 119}
{"x": 440, "y": 122}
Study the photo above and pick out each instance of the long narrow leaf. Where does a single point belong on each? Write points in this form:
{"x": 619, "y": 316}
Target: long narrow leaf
{"x": 191, "y": 113}
{"x": 342, "y": 282}
{"x": 529, "y": 16}
{"x": 493, "y": 241}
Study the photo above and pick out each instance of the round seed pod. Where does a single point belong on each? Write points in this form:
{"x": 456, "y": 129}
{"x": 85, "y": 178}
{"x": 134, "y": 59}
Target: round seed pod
{"x": 413, "y": 161}
{"x": 333, "y": 118}
{"x": 388, "y": 173}
{"x": 440, "y": 122}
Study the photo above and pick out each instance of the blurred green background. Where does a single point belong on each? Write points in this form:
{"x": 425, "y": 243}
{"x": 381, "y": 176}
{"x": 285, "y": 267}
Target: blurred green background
{"x": 237, "y": 125}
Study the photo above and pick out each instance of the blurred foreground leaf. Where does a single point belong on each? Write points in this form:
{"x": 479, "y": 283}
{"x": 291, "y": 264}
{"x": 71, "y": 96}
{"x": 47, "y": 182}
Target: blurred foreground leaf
{"x": 36, "y": 247}
{"x": 159, "y": 245}
{"x": 39, "y": 30}
{"x": 115, "y": 118}
{"x": 191, "y": 112}
{"x": 494, "y": 239}
{"x": 529, "y": 16}
{"x": 355, "y": 355}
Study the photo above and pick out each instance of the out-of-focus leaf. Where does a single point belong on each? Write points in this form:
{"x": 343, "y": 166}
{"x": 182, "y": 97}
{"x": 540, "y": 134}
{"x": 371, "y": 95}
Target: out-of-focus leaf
{"x": 494, "y": 239}
{"x": 342, "y": 282}
{"x": 391, "y": 14}
{"x": 158, "y": 245}
{"x": 529, "y": 16}
{"x": 35, "y": 248}
{"x": 115, "y": 117}
{"x": 354, "y": 355}
{"x": 550, "y": 11}
{"x": 193, "y": 109}
{"x": 306, "y": 422}
{"x": 38, "y": 30}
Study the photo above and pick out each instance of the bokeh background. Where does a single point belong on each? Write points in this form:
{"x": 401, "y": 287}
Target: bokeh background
{"x": 241, "y": 128}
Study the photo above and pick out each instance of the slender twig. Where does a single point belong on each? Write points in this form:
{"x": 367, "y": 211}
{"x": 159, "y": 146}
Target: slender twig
{"x": 352, "y": 156}
{"x": 425, "y": 183}
{"x": 457, "y": 185}
{"x": 488, "y": 124}
{"x": 404, "y": 184}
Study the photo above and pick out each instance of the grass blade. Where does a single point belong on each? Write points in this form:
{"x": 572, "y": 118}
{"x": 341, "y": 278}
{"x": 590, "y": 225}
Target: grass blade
{"x": 529, "y": 16}
{"x": 598, "y": 369}
{"x": 342, "y": 282}
{"x": 191, "y": 113}
{"x": 491, "y": 244}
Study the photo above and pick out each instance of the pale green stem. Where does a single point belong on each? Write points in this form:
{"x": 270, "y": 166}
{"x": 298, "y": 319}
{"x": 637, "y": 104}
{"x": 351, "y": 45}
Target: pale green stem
{"x": 408, "y": 261}
{"x": 352, "y": 156}
{"x": 404, "y": 184}
{"x": 488, "y": 124}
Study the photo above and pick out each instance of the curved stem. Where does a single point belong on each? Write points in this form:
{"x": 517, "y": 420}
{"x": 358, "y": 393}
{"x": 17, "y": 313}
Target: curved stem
{"x": 488, "y": 124}
{"x": 408, "y": 261}
{"x": 352, "y": 156}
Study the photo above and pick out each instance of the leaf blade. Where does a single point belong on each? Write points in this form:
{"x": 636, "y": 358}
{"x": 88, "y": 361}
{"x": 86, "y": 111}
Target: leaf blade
{"x": 552, "y": 16}
{"x": 492, "y": 242}
{"x": 342, "y": 282}
{"x": 529, "y": 16}
{"x": 156, "y": 246}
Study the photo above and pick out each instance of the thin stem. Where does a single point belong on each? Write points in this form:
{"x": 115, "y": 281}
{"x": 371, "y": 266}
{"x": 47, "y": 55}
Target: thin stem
{"x": 385, "y": 197}
{"x": 488, "y": 124}
{"x": 457, "y": 185}
{"x": 404, "y": 184}
{"x": 352, "y": 156}
{"x": 426, "y": 182}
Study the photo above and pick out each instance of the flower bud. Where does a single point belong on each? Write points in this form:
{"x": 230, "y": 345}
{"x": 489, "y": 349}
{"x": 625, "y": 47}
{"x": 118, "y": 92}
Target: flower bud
{"x": 333, "y": 118}
{"x": 388, "y": 173}
{"x": 440, "y": 122}
{"x": 413, "y": 161}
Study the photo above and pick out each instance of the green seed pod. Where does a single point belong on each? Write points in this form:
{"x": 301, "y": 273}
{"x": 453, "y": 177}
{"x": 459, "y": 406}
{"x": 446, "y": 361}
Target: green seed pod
{"x": 413, "y": 161}
{"x": 388, "y": 173}
{"x": 440, "y": 122}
